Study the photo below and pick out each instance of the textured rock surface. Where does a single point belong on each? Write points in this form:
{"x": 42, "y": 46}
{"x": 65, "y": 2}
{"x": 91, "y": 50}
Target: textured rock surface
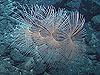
{"x": 14, "y": 63}
{"x": 89, "y": 8}
{"x": 73, "y": 4}
{"x": 96, "y": 22}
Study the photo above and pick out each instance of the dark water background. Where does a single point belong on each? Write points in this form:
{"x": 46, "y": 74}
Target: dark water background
{"x": 13, "y": 62}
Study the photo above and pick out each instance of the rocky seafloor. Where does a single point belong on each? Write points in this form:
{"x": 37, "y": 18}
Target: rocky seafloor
{"x": 13, "y": 62}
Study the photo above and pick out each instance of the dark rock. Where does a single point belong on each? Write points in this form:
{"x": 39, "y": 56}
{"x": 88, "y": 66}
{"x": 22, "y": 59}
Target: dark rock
{"x": 98, "y": 57}
{"x": 98, "y": 35}
{"x": 96, "y": 22}
{"x": 73, "y": 4}
{"x": 90, "y": 51}
{"x": 17, "y": 56}
{"x": 2, "y": 49}
{"x": 98, "y": 50}
{"x": 44, "y": 2}
{"x": 89, "y": 32}
{"x": 89, "y": 9}
{"x": 3, "y": 71}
